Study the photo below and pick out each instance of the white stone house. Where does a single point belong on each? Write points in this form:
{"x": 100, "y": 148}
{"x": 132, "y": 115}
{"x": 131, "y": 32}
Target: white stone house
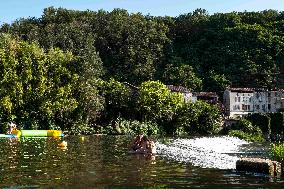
{"x": 238, "y": 101}
{"x": 275, "y": 100}
{"x": 260, "y": 101}
{"x": 242, "y": 101}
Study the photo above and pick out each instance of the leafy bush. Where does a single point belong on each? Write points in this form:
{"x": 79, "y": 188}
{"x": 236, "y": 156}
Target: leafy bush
{"x": 277, "y": 122}
{"x": 198, "y": 118}
{"x": 244, "y": 125}
{"x": 117, "y": 99}
{"x": 244, "y": 129}
{"x": 262, "y": 121}
{"x": 251, "y": 137}
{"x": 4, "y": 127}
{"x": 278, "y": 152}
{"x": 157, "y": 102}
{"x": 129, "y": 127}
{"x": 81, "y": 128}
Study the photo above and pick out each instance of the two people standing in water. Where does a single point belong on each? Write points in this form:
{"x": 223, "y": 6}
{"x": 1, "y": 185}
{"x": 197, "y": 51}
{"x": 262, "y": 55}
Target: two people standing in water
{"x": 143, "y": 145}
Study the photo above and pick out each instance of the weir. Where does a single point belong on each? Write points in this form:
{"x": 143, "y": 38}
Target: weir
{"x": 206, "y": 152}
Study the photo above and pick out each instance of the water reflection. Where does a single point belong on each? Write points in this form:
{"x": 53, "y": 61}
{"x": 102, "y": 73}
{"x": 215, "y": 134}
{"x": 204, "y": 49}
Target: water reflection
{"x": 104, "y": 162}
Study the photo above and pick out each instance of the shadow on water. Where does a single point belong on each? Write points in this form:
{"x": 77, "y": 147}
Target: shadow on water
{"x": 104, "y": 162}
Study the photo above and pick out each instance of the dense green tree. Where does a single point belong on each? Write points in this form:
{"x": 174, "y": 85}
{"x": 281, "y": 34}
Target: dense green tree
{"x": 36, "y": 86}
{"x": 47, "y": 89}
{"x": 198, "y": 118}
{"x": 234, "y": 47}
{"x": 183, "y": 75}
{"x": 118, "y": 100}
{"x": 239, "y": 48}
{"x": 156, "y": 101}
{"x": 130, "y": 45}
{"x": 89, "y": 69}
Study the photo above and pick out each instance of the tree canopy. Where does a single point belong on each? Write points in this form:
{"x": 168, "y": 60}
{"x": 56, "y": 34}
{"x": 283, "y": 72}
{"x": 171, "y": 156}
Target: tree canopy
{"x": 39, "y": 89}
{"x": 69, "y": 67}
{"x": 198, "y": 50}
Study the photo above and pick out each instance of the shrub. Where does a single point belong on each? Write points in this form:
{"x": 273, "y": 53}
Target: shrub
{"x": 81, "y": 128}
{"x": 277, "y": 122}
{"x": 244, "y": 129}
{"x": 245, "y": 126}
{"x": 261, "y": 120}
{"x": 251, "y": 137}
{"x": 278, "y": 152}
{"x": 198, "y": 118}
{"x": 128, "y": 127}
{"x": 156, "y": 101}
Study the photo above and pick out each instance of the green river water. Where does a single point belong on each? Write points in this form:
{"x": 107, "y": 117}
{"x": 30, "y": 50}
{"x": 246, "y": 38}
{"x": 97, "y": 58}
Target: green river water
{"x": 104, "y": 162}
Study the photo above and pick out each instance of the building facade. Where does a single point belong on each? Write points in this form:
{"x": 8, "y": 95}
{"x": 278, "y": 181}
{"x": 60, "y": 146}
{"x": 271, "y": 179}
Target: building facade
{"x": 242, "y": 101}
{"x": 238, "y": 101}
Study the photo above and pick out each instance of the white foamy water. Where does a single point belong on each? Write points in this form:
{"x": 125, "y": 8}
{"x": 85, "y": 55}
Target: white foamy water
{"x": 206, "y": 152}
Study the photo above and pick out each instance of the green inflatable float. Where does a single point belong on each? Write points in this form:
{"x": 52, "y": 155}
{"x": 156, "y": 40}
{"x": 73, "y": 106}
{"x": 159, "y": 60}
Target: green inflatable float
{"x": 37, "y": 133}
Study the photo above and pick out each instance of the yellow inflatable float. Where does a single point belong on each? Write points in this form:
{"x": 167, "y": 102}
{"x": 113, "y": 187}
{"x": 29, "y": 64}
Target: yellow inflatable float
{"x": 37, "y": 133}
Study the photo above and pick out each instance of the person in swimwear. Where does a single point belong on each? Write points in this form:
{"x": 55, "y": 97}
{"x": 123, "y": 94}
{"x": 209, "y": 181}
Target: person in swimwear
{"x": 137, "y": 142}
{"x": 12, "y": 127}
{"x": 142, "y": 144}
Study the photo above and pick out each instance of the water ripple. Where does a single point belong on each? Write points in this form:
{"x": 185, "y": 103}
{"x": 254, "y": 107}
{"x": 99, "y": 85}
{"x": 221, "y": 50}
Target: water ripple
{"x": 205, "y": 152}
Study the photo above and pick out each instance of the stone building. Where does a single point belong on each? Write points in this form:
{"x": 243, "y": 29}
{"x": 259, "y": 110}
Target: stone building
{"x": 242, "y": 101}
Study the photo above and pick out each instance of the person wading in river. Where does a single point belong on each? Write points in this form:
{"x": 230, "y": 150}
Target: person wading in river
{"x": 142, "y": 144}
{"x": 12, "y": 127}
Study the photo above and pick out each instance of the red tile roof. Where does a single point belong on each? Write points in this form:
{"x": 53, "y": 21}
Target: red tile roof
{"x": 177, "y": 89}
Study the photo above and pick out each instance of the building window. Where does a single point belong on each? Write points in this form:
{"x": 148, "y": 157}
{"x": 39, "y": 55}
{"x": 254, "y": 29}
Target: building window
{"x": 269, "y": 106}
{"x": 257, "y": 107}
{"x": 236, "y": 107}
{"x": 268, "y": 94}
{"x": 250, "y": 99}
{"x": 239, "y": 99}
{"x": 245, "y": 107}
{"x": 236, "y": 99}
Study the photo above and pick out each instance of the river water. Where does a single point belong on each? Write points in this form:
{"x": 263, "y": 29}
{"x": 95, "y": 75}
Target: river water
{"x": 104, "y": 162}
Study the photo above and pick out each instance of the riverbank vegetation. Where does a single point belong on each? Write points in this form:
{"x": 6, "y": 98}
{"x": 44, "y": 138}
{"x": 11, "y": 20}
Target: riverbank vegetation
{"x": 105, "y": 72}
{"x": 278, "y": 153}
{"x": 244, "y": 129}
{"x": 259, "y": 127}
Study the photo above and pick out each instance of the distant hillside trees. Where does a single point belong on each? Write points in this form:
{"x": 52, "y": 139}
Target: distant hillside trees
{"x": 202, "y": 51}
